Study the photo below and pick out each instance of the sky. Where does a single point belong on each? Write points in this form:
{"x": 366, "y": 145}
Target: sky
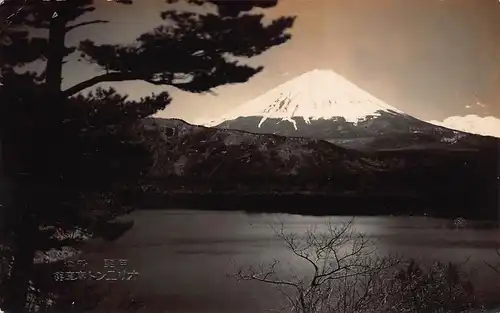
{"x": 433, "y": 59}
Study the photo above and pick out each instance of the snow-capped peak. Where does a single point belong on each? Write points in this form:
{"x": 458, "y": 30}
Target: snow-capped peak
{"x": 317, "y": 94}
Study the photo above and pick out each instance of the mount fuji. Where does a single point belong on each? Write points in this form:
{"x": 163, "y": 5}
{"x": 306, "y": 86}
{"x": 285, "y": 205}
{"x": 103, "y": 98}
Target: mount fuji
{"x": 322, "y": 104}
{"x": 318, "y": 143}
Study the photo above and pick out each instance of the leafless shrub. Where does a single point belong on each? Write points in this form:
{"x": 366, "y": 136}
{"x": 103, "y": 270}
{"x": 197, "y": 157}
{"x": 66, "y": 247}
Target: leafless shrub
{"x": 347, "y": 276}
{"x": 344, "y": 271}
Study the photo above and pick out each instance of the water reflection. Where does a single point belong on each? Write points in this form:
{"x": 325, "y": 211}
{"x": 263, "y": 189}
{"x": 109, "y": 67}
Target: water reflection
{"x": 187, "y": 254}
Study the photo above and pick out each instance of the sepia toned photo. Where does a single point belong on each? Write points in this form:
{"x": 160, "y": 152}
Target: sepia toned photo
{"x": 250, "y": 156}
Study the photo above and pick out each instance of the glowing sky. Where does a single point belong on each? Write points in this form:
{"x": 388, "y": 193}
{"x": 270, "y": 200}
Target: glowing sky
{"x": 430, "y": 58}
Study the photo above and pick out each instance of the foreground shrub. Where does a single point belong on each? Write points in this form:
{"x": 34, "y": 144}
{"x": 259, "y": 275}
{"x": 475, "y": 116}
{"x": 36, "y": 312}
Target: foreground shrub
{"x": 440, "y": 287}
{"x": 347, "y": 276}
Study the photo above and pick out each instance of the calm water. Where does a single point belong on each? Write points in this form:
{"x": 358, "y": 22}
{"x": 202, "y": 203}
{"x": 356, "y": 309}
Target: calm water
{"x": 183, "y": 256}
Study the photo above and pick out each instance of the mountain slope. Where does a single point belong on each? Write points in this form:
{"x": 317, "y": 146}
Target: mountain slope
{"x": 241, "y": 167}
{"x": 323, "y": 105}
{"x": 206, "y": 154}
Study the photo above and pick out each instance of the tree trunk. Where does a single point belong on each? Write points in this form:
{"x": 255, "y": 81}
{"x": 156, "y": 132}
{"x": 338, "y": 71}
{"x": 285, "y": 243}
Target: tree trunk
{"x": 5, "y": 191}
{"x": 21, "y": 230}
{"x": 57, "y": 35}
{"x": 19, "y": 225}
{"x": 21, "y": 160}
{"x": 18, "y": 284}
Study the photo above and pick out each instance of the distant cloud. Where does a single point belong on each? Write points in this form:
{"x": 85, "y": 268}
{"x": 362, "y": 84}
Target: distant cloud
{"x": 488, "y": 125}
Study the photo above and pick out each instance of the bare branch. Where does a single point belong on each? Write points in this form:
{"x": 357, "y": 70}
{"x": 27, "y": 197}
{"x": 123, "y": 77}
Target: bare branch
{"x": 493, "y": 267}
{"x": 263, "y": 275}
{"x": 299, "y": 252}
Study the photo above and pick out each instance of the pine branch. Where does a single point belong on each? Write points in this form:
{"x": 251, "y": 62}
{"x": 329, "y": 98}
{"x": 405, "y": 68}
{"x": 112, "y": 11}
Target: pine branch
{"x": 120, "y": 77}
{"x": 108, "y": 77}
{"x": 69, "y": 28}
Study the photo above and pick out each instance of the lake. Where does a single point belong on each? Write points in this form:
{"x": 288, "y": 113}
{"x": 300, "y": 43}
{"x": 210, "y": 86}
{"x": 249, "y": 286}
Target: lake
{"x": 184, "y": 256}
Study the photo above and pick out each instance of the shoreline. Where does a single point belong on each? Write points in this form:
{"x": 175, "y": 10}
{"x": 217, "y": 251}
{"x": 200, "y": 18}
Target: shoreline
{"x": 315, "y": 204}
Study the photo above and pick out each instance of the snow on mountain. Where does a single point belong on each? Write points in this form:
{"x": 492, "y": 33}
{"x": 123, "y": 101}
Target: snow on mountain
{"x": 314, "y": 95}
{"x": 322, "y": 104}
{"x": 486, "y": 126}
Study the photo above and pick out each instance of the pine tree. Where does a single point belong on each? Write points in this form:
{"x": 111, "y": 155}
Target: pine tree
{"x": 67, "y": 155}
